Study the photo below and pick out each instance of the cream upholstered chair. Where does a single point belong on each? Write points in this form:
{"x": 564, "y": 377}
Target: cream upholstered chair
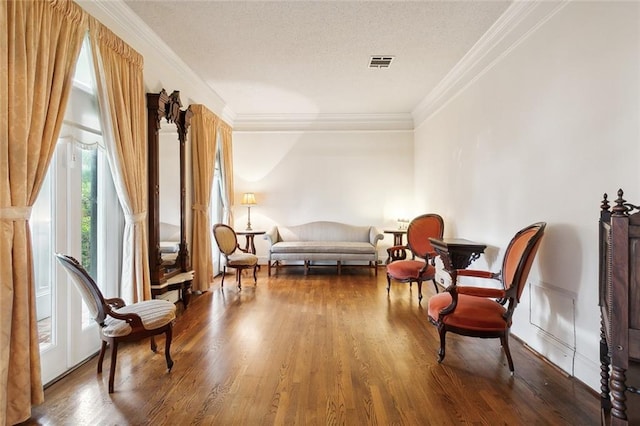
{"x": 234, "y": 255}
{"x": 119, "y": 322}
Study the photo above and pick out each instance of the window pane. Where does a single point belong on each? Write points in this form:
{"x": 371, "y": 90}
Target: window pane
{"x": 89, "y": 219}
{"x": 42, "y": 243}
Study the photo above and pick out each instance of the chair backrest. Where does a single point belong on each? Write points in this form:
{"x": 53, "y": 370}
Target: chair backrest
{"x": 225, "y": 238}
{"x": 520, "y": 255}
{"x": 88, "y": 289}
{"x": 420, "y": 230}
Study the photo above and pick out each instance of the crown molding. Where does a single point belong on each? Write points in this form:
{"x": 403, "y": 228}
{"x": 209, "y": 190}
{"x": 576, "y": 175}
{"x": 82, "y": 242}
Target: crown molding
{"x": 323, "y": 122}
{"x": 120, "y": 19}
{"x": 518, "y": 22}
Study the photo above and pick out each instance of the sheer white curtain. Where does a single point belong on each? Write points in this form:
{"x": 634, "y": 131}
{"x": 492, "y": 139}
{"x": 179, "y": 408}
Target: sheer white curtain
{"x": 122, "y": 100}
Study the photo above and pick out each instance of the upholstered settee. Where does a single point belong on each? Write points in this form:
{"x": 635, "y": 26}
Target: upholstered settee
{"x": 322, "y": 243}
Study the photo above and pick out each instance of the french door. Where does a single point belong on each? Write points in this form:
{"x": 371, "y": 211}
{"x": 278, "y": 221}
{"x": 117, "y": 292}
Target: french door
{"x": 76, "y": 206}
{"x": 71, "y": 216}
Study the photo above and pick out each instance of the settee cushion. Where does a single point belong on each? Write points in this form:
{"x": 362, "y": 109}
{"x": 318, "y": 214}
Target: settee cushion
{"x": 323, "y": 247}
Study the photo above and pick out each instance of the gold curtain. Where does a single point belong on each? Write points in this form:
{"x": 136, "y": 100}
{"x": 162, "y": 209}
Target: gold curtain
{"x": 204, "y": 132}
{"x": 122, "y": 101}
{"x": 227, "y": 169}
{"x": 39, "y": 46}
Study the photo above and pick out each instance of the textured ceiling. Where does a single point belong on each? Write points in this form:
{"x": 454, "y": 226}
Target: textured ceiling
{"x": 311, "y": 57}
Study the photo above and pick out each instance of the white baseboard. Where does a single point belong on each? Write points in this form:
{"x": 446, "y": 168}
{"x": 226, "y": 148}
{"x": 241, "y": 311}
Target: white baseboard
{"x": 587, "y": 371}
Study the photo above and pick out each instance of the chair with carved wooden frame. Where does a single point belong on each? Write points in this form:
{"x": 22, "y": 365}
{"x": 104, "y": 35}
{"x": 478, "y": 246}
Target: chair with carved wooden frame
{"x": 487, "y": 312}
{"x": 235, "y": 256}
{"x": 120, "y": 322}
{"x": 413, "y": 270}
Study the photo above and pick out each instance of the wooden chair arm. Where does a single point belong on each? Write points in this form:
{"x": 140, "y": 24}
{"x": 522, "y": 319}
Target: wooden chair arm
{"x": 394, "y": 248}
{"x": 115, "y": 302}
{"x": 132, "y": 319}
{"x": 397, "y": 253}
{"x": 496, "y": 293}
{"x": 477, "y": 274}
{"x": 452, "y": 289}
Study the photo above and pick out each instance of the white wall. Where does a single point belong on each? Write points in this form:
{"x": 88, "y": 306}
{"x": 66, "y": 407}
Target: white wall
{"x": 540, "y": 136}
{"x": 355, "y": 177}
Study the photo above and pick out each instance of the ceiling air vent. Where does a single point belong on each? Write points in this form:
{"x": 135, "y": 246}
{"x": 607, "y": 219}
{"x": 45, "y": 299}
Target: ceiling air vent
{"x": 380, "y": 61}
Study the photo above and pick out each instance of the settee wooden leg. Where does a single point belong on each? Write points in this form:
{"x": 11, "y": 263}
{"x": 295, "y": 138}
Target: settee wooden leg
{"x": 269, "y": 267}
{"x": 306, "y": 267}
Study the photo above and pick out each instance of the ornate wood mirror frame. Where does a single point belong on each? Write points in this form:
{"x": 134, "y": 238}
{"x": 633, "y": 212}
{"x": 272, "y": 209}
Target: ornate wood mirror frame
{"x": 166, "y": 275}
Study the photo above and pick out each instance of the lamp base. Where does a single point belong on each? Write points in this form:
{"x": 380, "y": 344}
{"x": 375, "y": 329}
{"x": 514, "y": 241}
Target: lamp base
{"x": 248, "y": 219}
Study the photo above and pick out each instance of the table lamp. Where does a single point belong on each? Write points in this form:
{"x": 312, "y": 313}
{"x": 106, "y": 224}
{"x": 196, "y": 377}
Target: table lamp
{"x": 248, "y": 199}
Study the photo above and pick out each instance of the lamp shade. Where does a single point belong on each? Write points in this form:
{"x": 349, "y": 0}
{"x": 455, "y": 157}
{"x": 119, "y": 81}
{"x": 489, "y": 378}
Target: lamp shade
{"x": 248, "y": 198}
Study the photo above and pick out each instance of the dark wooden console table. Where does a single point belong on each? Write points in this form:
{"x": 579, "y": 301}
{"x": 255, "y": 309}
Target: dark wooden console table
{"x": 250, "y": 246}
{"x": 456, "y": 253}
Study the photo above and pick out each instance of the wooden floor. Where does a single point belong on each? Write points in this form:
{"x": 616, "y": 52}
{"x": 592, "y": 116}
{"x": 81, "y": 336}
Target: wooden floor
{"x": 317, "y": 350}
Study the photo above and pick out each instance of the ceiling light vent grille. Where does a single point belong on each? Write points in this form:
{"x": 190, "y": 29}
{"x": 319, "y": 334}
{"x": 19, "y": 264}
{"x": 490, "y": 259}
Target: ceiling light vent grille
{"x": 380, "y": 61}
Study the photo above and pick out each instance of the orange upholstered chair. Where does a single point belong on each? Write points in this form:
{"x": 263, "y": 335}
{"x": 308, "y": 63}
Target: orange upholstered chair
{"x": 421, "y": 269}
{"x": 487, "y": 312}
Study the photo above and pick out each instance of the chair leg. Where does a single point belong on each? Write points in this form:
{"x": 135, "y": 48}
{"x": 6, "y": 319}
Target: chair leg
{"x": 419, "y": 282}
{"x": 255, "y": 278}
{"x": 239, "y": 278}
{"x": 224, "y": 272}
{"x": 112, "y": 369}
{"x": 442, "y": 332}
{"x": 504, "y": 339}
{"x": 435, "y": 285}
{"x": 167, "y": 347}
{"x": 101, "y": 357}
{"x": 388, "y": 283}
{"x": 154, "y": 347}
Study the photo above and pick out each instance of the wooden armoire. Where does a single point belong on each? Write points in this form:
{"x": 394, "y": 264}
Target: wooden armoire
{"x": 619, "y": 301}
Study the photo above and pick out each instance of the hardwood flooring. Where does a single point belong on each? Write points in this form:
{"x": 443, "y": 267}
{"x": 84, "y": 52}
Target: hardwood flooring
{"x": 320, "y": 349}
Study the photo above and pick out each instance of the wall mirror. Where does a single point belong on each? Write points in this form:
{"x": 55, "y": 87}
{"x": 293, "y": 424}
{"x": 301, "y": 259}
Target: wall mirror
{"x": 167, "y": 128}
